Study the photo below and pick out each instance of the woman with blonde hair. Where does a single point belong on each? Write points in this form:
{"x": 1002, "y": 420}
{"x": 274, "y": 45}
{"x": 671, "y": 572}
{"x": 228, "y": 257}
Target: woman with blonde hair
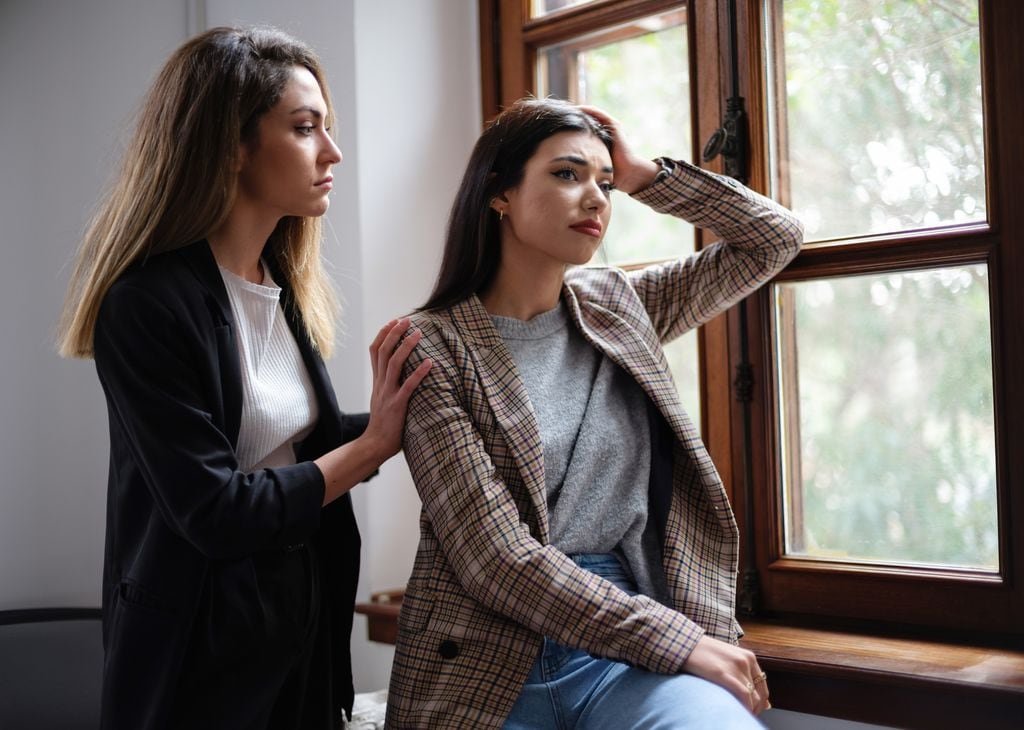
{"x": 231, "y": 548}
{"x": 577, "y": 559}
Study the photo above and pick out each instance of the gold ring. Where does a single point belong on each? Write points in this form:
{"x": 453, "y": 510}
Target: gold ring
{"x": 750, "y": 687}
{"x": 761, "y": 678}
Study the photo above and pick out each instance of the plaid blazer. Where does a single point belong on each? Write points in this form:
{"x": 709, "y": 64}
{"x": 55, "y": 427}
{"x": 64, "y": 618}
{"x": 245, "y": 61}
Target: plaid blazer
{"x": 486, "y": 585}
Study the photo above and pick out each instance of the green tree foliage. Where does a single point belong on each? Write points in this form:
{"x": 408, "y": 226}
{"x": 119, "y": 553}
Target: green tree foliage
{"x": 895, "y": 403}
{"x": 883, "y": 114}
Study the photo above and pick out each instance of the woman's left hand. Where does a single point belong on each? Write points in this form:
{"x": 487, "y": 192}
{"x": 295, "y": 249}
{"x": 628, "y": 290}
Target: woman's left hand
{"x": 632, "y": 172}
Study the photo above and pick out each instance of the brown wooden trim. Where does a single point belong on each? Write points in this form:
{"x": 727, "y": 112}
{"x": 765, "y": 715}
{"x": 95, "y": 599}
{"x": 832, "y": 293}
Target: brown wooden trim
{"x": 586, "y": 19}
{"x": 941, "y": 574}
{"x": 787, "y": 364}
{"x": 779, "y": 113}
{"x": 490, "y": 48}
{"x": 1003, "y": 29}
{"x": 926, "y": 684}
{"x": 516, "y": 69}
{"x": 929, "y": 250}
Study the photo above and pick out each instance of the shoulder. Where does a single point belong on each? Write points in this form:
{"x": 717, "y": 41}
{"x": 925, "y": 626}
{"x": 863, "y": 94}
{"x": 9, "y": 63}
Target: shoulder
{"x": 162, "y": 290}
{"x": 161, "y": 275}
{"x": 608, "y": 286}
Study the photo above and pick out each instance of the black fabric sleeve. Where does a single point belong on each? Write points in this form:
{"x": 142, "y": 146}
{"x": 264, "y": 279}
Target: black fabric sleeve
{"x": 162, "y": 387}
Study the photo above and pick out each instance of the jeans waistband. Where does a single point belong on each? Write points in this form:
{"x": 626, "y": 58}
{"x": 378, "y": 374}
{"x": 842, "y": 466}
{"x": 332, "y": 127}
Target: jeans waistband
{"x": 608, "y": 566}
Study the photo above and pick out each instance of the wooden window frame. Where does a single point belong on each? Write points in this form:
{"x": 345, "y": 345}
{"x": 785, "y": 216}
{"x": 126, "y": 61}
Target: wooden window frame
{"x": 939, "y": 599}
{"x": 868, "y": 604}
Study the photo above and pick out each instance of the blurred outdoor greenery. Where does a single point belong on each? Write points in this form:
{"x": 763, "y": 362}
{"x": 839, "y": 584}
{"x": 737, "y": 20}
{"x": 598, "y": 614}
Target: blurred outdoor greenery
{"x": 897, "y": 444}
{"x": 883, "y": 126}
{"x": 895, "y": 402}
{"x": 884, "y": 115}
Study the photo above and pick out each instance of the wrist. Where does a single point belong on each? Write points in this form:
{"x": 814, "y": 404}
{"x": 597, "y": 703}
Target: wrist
{"x": 374, "y": 449}
{"x": 641, "y": 175}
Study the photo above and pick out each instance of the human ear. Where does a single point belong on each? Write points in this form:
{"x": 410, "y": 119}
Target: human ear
{"x": 499, "y": 204}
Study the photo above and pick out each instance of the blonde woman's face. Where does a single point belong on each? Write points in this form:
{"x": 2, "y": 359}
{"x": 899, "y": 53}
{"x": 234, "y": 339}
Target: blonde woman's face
{"x": 286, "y": 171}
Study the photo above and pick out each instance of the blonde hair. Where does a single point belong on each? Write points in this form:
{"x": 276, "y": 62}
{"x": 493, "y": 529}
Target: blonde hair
{"x": 178, "y": 177}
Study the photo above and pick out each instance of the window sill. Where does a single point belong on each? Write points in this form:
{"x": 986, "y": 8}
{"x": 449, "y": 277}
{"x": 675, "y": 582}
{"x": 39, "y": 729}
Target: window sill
{"x": 907, "y": 683}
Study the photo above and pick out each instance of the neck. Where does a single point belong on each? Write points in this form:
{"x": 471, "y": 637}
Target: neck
{"x": 239, "y": 241}
{"x": 524, "y": 288}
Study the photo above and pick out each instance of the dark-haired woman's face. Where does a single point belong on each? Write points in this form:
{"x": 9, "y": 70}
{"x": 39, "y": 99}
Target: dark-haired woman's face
{"x": 286, "y": 171}
{"x": 559, "y": 212}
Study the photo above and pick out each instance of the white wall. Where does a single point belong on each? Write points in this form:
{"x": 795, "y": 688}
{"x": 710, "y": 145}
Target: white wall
{"x": 70, "y": 74}
{"x": 405, "y": 84}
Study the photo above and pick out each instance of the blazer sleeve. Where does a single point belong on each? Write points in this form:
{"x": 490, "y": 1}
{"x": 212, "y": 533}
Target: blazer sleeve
{"x": 492, "y": 552}
{"x": 149, "y": 364}
{"x": 353, "y": 425}
{"x": 758, "y": 237}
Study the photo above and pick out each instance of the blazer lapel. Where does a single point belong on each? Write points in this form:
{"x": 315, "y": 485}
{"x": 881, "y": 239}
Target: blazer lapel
{"x": 622, "y": 342}
{"x": 508, "y": 400}
{"x": 200, "y": 259}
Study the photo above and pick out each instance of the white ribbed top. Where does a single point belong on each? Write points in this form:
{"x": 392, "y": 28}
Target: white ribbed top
{"x": 279, "y": 407}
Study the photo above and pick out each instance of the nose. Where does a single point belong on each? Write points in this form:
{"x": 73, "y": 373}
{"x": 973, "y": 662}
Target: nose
{"x": 594, "y": 198}
{"x": 331, "y": 154}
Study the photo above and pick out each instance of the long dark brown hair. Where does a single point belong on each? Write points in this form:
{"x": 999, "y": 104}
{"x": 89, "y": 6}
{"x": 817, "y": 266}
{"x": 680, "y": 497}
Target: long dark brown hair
{"x": 472, "y": 249}
{"x": 178, "y": 178}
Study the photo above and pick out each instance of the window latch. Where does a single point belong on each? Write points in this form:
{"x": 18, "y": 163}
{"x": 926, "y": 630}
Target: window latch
{"x": 730, "y": 140}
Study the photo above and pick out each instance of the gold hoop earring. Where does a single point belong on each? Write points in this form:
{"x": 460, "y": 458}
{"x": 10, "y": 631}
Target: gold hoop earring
{"x": 501, "y": 215}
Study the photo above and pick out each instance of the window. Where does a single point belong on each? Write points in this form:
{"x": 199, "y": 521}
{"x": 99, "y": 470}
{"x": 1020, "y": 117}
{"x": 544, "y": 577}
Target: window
{"x": 887, "y": 404}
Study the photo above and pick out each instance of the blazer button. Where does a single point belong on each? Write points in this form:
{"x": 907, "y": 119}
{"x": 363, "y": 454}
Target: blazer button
{"x": 448, "y": 649}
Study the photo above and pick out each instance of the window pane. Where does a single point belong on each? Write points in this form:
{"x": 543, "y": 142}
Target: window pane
{"x": 539, "y": 8}
{"x": 638, "y": 73}
{"x": 877, "y": 123}
{"x": 888, "y": 432}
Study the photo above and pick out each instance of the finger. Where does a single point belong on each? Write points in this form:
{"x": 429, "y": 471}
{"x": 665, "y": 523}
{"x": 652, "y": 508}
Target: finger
{"x": 375, "y": 345}
{"x": 414, "y": 380}
{"x": 400, "y": 355}
{"x": 742, "y": 690}
{"x": 387, "y": 347}
{"x": 600, "y": 115}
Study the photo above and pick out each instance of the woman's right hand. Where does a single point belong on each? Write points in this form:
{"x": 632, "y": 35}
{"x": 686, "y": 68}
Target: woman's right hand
{"x": 349, "y": 464}
{"x": 731, "y": 667}
{"x": 390, "y": 397}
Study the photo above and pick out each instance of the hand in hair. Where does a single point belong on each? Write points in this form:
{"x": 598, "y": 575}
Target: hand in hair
{"x": 632, "y": 172}
{"x": 348, "y": 465}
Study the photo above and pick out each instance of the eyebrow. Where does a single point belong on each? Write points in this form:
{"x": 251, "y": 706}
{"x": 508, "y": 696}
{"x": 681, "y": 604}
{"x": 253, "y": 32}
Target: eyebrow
{"x": 315, "y": 112}
{"x": 580, "y": 161}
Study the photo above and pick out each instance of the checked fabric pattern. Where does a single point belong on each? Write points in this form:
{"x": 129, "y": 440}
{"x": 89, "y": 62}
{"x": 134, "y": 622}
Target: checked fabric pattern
{"x": 486, "y": 586}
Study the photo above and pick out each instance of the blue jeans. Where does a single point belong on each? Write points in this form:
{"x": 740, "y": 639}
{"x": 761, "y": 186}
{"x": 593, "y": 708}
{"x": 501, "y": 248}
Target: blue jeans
{"x": 568, "y": 688}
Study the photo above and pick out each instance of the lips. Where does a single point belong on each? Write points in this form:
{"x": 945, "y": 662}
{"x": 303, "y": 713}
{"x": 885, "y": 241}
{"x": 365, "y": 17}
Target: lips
{"x": 588, "y": 227}
{"x": 327, "y": 182}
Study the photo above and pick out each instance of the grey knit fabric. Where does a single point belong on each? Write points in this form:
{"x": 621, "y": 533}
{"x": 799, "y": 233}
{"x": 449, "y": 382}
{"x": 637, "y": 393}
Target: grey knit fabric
{"x": 597, "y": 449}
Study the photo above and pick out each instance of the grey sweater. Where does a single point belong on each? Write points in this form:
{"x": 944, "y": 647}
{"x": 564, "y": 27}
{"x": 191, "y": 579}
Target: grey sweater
{"x": 597, "y": 450}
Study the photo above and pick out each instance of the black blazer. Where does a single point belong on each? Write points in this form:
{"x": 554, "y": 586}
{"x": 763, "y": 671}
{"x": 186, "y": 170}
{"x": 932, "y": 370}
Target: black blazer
{"x": 178, "y": 508}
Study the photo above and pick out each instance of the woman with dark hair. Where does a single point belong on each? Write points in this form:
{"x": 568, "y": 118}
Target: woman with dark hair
{"x": 578, "y": 553}
{"x": 231, "y": 549}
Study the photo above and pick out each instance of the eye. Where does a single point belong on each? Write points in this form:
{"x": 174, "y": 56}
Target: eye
{"x": 566, "y": 173}
{"x": 305, "y": 130}
{"x": 608, "y": 186}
